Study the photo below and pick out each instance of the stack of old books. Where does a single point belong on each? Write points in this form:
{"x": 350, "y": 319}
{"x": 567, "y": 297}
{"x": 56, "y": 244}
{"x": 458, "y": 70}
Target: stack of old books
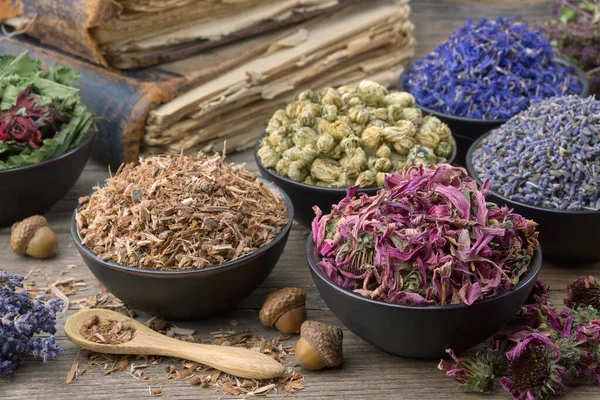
{"x": 172, "y": 75}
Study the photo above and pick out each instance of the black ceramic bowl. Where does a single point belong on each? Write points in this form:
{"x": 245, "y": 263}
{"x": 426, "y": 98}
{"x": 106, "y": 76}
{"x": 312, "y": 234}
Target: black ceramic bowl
{"x": 304, "y": 196}
{"x": 34, "y": 189}
{"x": 179, "y": 295}
{"x": 565, "y": 235}
{"x": 467, "y": 130}
{"x": 421, "y": 331}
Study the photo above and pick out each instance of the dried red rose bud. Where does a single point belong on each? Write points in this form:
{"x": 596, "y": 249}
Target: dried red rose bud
{"x": 583, "y": 291}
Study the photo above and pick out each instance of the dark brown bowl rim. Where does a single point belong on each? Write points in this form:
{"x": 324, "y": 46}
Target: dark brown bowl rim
{"x": 158, "y": 273}
{"x": 340, "y": 192}
{"x": 536, "y": 264}
{"x": 473, "y": 173}
{"x": 583, "y": 80}
{"x": 88, "y": 136}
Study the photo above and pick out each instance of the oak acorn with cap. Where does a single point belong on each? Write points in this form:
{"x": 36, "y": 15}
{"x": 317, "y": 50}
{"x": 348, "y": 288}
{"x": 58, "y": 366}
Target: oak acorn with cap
{"x": 319, "y": 346}
{"x": 33, "y": 237}
{"x": 285, "y": 309}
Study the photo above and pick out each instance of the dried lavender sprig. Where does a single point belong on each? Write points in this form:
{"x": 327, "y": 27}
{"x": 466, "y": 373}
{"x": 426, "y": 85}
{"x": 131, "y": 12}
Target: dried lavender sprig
{"x": 489, "y": 70}
{"x": 546, "y": 156}
{"x": 21, "y": 318}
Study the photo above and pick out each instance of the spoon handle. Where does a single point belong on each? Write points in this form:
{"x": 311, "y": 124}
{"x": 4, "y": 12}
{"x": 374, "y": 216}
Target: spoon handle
{"x": 232, "y": 360}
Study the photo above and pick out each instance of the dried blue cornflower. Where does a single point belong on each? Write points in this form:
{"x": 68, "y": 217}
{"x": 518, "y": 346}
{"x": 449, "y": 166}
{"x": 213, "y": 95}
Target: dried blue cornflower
{"x": 547, "y": 156}
{"x": 21, "y": 319}
{"x": 489, "y": 70}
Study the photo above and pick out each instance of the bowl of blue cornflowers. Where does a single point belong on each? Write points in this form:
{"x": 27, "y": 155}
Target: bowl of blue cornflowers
{"x": 487, "y": 72}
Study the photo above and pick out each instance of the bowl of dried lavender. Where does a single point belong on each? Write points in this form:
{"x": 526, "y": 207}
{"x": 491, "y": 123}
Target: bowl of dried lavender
{"x": 545, "y": 164}
{"x": 46, "y": 136}
{"x": 486, "y": 72}
{"x": 182, "y": 237}
{"x": 323, "y": 143}
{"x": 426, "y": 264}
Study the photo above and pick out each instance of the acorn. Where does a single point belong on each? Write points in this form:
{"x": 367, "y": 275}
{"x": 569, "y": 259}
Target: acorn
{"x": 285, "y": 310}
{"x": 33, "y": 237}
{"x": 319, "y": 346}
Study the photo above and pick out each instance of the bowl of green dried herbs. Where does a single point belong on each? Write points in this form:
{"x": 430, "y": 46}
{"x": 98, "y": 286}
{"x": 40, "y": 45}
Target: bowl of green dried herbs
{"x": 324, "y": 142}
{"x": 424, "y": 265}
{"x": 485, "y": 73}
{"x": 180, "y": 236}
{"x": 46, "y": 136}
{"x": 545, "y": 164}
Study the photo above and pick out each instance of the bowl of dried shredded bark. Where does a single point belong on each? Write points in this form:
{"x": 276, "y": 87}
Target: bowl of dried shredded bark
{"x": 182, "y": 237}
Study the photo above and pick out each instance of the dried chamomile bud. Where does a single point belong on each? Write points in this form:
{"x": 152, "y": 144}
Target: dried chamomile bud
{"x": 306, "y": 153}
{"x": 413, "y": 115}
{"x": 371, "y": 137}
{"x": 293, "y": 109}
{"x": 307, "y": 95}
{"x": 366, "y": 179}
{"x": 323, "y": 126}
{"x": 283, "y": 166}
{"x": 325, "y": 170}
{"x": 395, "y": 112}
{"x": 325, "y": 143}
{"x": 384, "y": 151}
{"x": 392, "y": 134}
{"x": 329, "y": 112}
{"x": 380, "y": 113}
{"x": 357, "y": 129}
{"x": 336, "y": 153}
{"x": 371, "y": 161}
{"x": 304, "y": 136}
{"x": 443, "y": 149}
{"x": 309, "y": 180}
{"x": 359, "y": 115}
{"x": 354, "y": 160}
{"x": 444, "y": 133}
{"x": 297, "y": 170}
{"x": 267, "y": 155}
{"x": 340, "y": 129}
{"x": 282, "y": 117}
{"x": 383, "y": 165}
{"x": 401, "y": 98}
{"x": 347, "y": 90}
{"x": 398, "y": 166}
{"x": 420, "y": 155}
{"x": 309, "y": 114}
{"x": 350, "y": 142}
{"x": 354, "y": 101}
{"x": 427, "y": 138}
{"x": 372, "y": 93}
{"x": 280, "y": 141}
{"x": 431, "y": 123}
{"x": 345, "y": 180}
{"x": 330, "y": 96}
{"x": 404, "y": 145}
{"x": 379, "y": 123}
{"x": 380, "y": 178}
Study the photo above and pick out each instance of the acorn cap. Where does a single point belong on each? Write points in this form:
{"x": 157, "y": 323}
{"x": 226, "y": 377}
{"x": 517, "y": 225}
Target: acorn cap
{"x": 280, "y": 302}
{"x": 23, "y": 231}
{"x": 326, "y": 339}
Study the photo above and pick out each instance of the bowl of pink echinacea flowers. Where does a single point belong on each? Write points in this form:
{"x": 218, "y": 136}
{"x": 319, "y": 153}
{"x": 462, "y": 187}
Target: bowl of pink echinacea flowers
{"x": 424, "y": 265}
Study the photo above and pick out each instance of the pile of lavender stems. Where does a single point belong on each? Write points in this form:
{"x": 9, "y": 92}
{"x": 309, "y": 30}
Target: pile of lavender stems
{"x": 547, "y": 156}
{"x": 428, "y": 237}
{"x": 550, "y": 349}
{"x": 489, "y": 70}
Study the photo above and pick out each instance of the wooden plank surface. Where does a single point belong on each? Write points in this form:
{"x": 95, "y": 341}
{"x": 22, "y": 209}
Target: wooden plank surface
{"x": 366, "y": 373}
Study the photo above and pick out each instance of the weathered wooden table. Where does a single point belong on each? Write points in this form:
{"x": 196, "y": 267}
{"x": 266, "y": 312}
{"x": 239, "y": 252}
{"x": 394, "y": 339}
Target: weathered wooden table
{"x": 366, "y": 373}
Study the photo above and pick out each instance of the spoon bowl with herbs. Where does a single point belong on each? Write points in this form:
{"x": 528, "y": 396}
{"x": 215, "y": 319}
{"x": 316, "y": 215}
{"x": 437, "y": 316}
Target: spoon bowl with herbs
{"x": 323, "y": 143}
{"x": 46, "y": 136}
{"x": 182, "y": 237}
{"x": 109, "y": 332}
{"x": 425, "y": 265}
{"x": 544, "y": 164}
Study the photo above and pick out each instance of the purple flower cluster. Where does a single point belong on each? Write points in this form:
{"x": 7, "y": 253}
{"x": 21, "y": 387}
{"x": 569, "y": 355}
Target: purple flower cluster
{"x": 428, "y": 237}
{"x": 547, "y": 156}
{"x": 534, "y": 361}
{"x": 21, "y": 318}
{"x": 489, "y": 70}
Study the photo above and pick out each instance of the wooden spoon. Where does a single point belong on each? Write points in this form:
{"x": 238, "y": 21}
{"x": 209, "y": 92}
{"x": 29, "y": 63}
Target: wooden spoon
{"x": 232, "y": 360}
